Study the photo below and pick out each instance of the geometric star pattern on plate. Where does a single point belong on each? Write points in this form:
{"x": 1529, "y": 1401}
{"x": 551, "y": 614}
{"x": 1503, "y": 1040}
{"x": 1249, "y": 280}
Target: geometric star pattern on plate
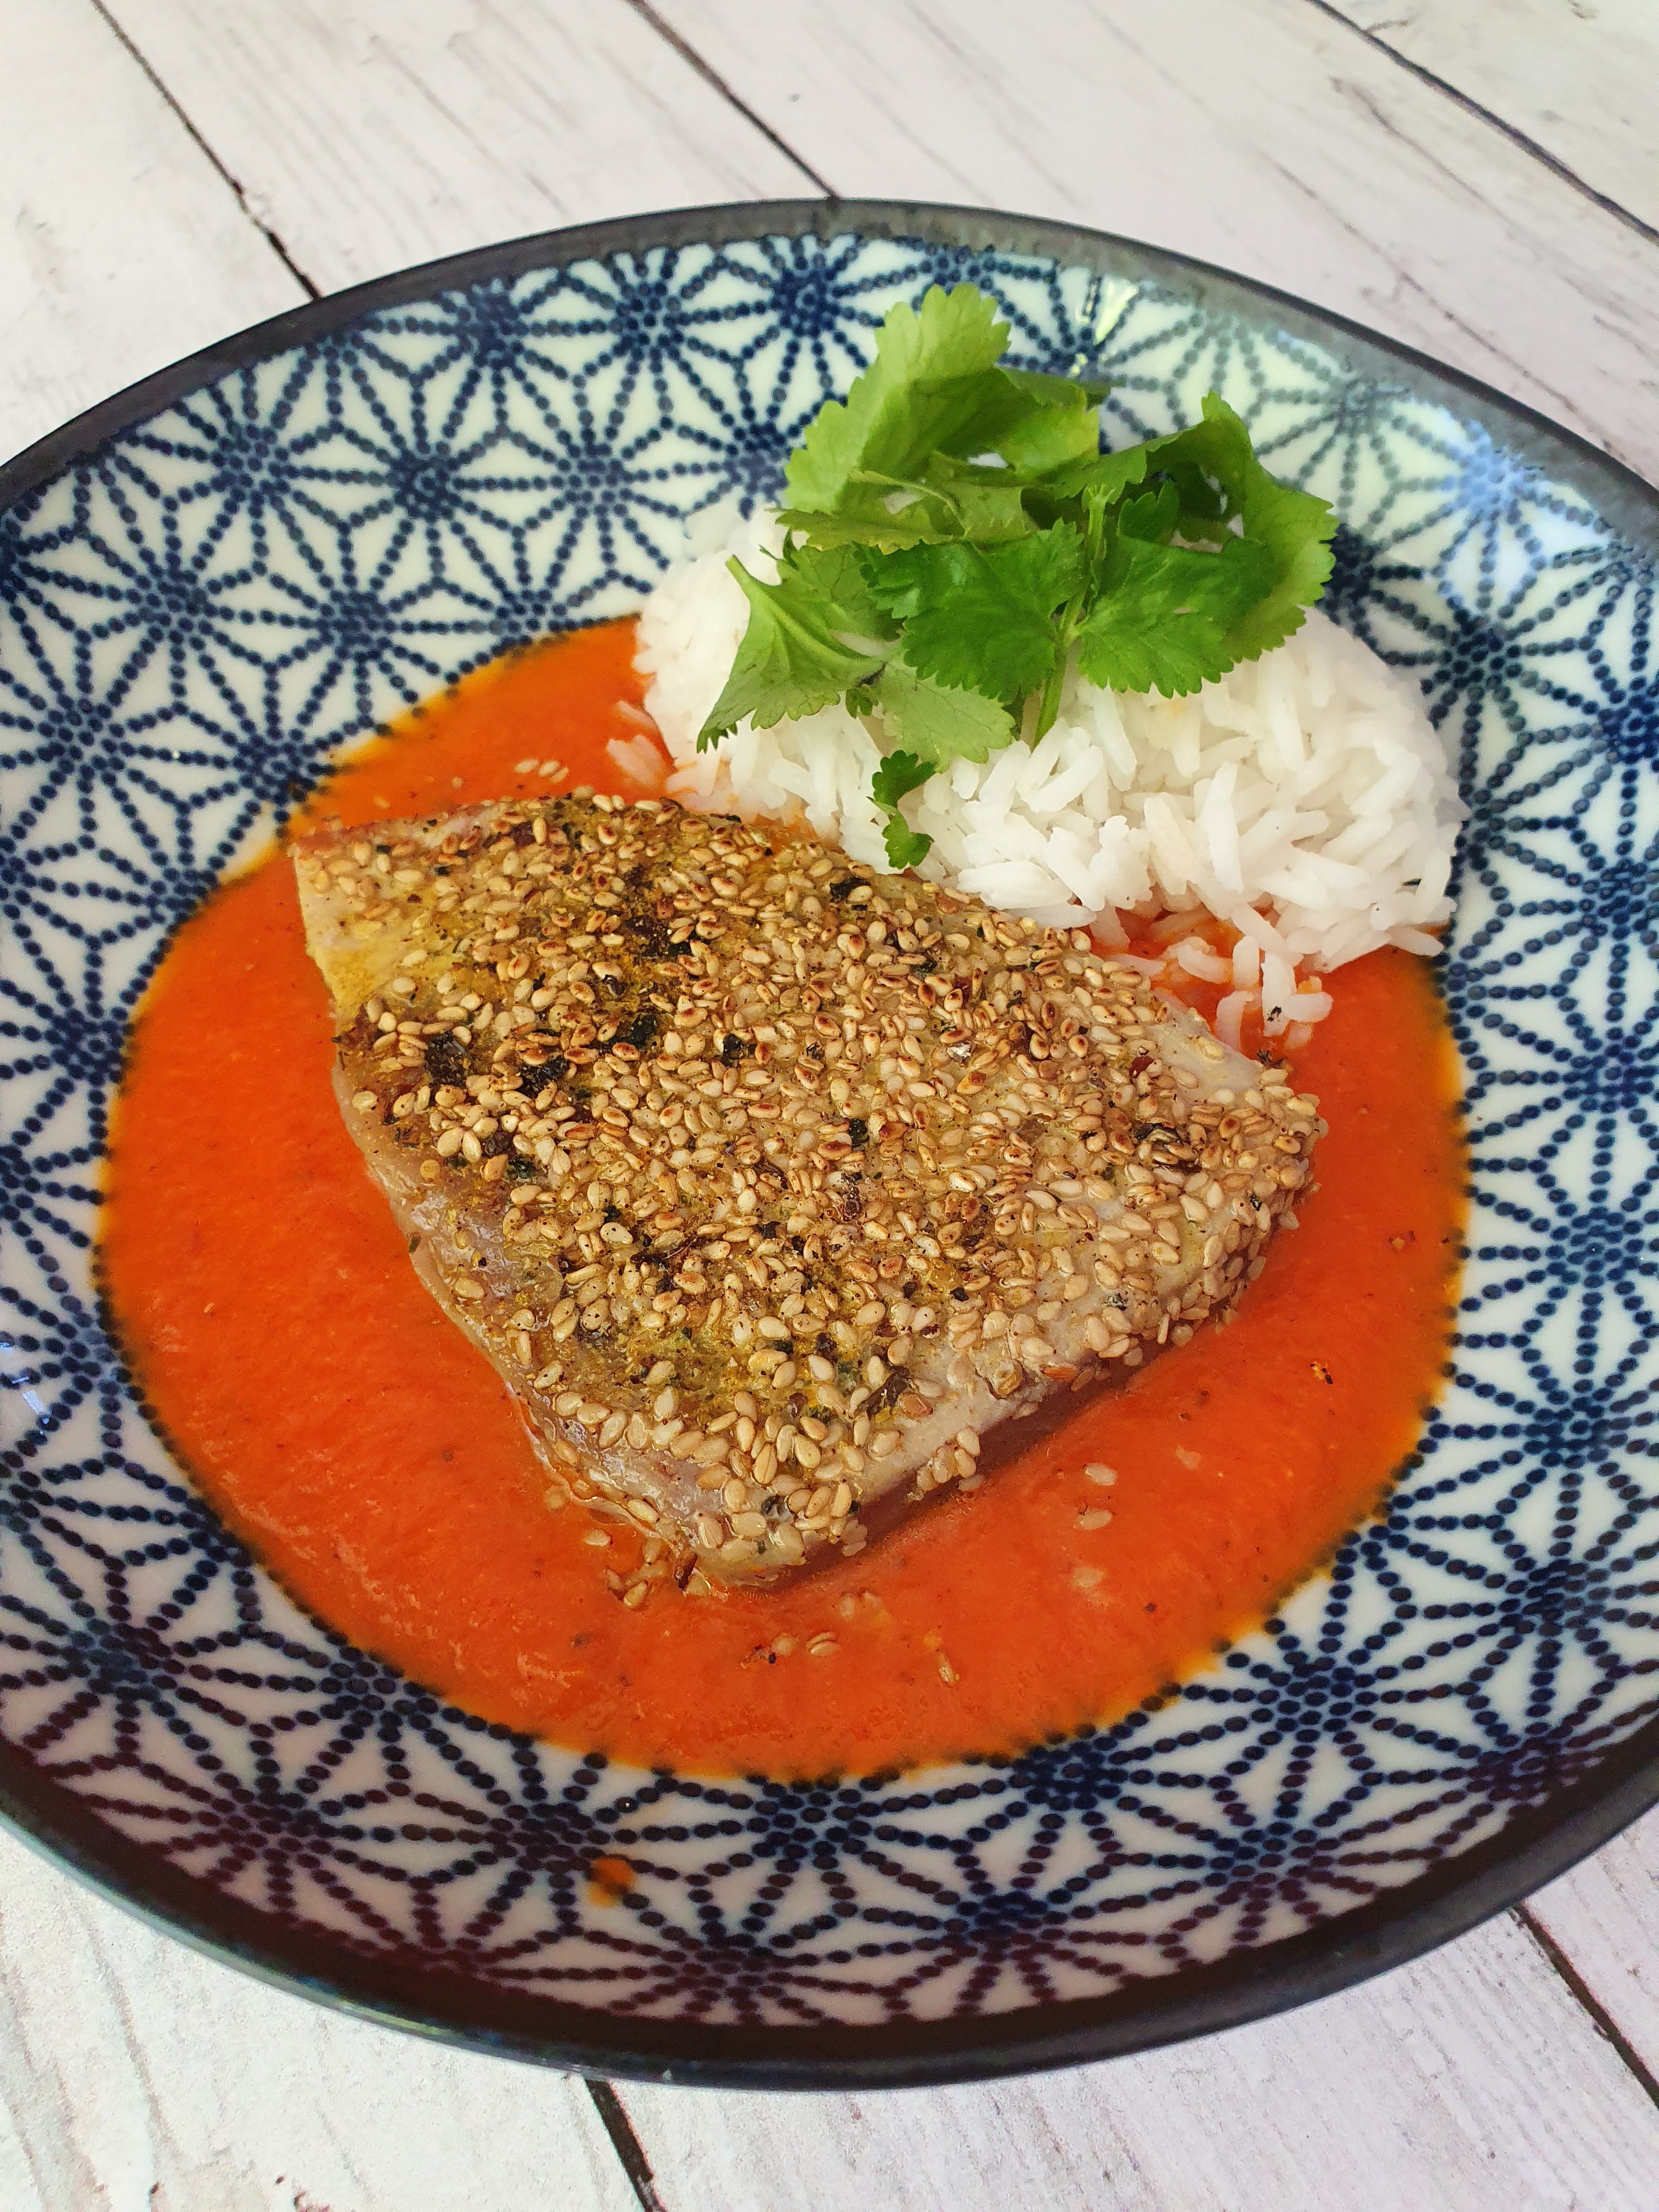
{"x": 198, "y": 615}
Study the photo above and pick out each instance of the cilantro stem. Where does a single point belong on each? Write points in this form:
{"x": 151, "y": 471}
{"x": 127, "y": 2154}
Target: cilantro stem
{"x": 952, "y": 591}
{"x": 1049, "y": 704}
{"x": 1072, "y": 615}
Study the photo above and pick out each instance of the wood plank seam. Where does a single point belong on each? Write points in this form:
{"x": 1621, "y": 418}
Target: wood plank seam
{"x": 630, "y": 2151}
{"x": 648, "y": 2195}
{"x": 690, "y": 55}
{"x": 1599, "y": 2018}
{"x": 1470, "y": 107}
{"x": 313, "y": 290}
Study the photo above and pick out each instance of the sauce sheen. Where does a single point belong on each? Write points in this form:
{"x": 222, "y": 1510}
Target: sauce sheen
{"x": 375, "y": 1461}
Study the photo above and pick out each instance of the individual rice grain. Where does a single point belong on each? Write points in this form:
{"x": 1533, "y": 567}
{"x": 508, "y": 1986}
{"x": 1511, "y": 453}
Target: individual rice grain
{"x": 1305, "y": 799}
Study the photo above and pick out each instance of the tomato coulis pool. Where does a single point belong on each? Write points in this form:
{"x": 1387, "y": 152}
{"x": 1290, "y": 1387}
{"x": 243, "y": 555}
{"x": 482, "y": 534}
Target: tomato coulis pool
{"x": 371, "y": 1457}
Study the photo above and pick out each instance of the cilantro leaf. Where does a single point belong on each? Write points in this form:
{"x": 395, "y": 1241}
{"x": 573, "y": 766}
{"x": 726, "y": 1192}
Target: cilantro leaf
{"x": 986, "y": 504}
{"x": 949, "y": 592}
{"x": 1103, "y": 476}
{"x": 1293, "y": 527}
{"x": 875, "y": 527}
{"x": 936, "y": 724}
{"x": 789, "y": 662}
{"x": 954, "y": 499}
{"x": 901, "y": 772}
{"x": 834, "y": 578}
{"x": 1042, "y": 389}
{"x": 1153, "y": 515}
{"x": 932, "y": 377}
{"x": 1296, "y": 529}
{"x": 1060, "y": 424}
{"x": 1165, "y": 616}
{"x": 1204, "y": 506}
{"x": 981, "y": 618}
{"x": 934, "y": 387}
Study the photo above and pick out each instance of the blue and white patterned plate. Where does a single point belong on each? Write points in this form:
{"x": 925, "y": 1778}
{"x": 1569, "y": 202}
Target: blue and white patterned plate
{"x": 213, "y": 583}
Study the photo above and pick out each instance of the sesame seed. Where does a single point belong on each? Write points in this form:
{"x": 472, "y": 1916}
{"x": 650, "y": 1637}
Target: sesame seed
{"x": 842, "y": 1157}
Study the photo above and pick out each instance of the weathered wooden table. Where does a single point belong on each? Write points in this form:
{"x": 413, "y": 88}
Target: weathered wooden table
{"x": 1478, "y": 177}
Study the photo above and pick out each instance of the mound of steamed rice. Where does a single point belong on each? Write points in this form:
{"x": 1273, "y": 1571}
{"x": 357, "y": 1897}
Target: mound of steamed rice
{"x": 1305, "y": 799}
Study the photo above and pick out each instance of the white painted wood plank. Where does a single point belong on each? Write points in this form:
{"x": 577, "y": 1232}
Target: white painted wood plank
{"x": 1470, "y": 2082}
{"x": 129, "y": 2066}
{"x": 1258, "y": 134}
{"x": 123, "y": 248}
{"x": 136, "y": 2076}
{"x": 1580, "y": 77}
{"x": 1605, "y": 1915}
{"x": 371, "y": 135}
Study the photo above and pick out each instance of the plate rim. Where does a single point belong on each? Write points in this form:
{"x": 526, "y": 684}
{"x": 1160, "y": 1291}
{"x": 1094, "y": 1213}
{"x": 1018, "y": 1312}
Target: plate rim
{"x": 395, "y": 1990}
{"x": 1398, "y": 1925}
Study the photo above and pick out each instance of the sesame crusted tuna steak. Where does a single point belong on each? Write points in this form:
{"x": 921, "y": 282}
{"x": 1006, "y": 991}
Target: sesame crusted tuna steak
{"x": 777, "y": 1190}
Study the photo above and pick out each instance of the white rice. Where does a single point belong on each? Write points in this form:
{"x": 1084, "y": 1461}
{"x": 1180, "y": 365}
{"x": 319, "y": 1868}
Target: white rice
{"x": 1305, "y": 799}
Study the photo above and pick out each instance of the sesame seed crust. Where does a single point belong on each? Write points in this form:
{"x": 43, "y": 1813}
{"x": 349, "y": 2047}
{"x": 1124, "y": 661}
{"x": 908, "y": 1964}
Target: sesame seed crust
{"x": 777, "y": 1190}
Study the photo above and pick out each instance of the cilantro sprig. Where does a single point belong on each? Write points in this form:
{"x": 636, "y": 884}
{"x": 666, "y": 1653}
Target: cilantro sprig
{"x": 955, "y": 536}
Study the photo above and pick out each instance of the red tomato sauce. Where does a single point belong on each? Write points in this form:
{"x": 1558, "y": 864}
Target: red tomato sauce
{"x": 374, "y": 1461}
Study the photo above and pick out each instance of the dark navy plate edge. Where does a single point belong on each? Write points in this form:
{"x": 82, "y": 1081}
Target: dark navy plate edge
{"x": 1532, "y": 1848}
{"x": 401, "y": 1991}
{"x": 1625, "y": 499}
